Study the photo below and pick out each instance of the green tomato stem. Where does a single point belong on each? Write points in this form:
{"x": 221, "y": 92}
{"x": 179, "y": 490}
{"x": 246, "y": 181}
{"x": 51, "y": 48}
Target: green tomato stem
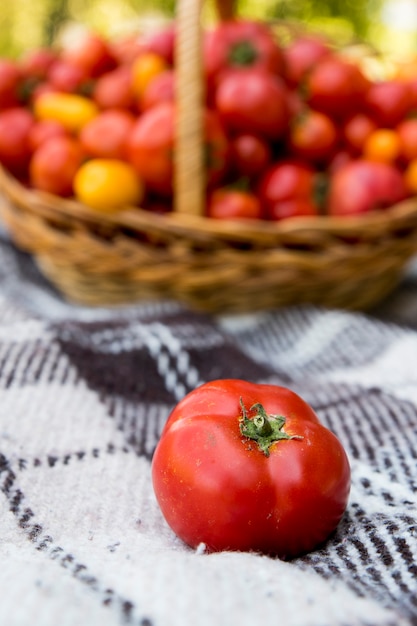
{"x": 263, "y": 428}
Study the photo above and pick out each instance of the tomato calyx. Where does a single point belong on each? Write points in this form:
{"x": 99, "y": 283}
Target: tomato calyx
{"x": 263, "y": 428}
{"x": 242, "y": 53}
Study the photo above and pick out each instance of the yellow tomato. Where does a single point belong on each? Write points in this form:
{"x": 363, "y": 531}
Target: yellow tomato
{"x": 144, "y": 69}
{"x": 383, "y": 144}
{"x": 71, "y": 110}
{"x": 108, "y": 185}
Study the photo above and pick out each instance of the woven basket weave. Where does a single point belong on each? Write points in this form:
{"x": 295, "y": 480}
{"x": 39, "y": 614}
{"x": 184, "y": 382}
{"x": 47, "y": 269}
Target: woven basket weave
{"x": 217, "y": 266}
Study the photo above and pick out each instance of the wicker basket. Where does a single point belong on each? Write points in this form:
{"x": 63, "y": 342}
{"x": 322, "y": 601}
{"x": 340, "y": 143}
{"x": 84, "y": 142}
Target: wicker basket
{"x": 210, "y": 265}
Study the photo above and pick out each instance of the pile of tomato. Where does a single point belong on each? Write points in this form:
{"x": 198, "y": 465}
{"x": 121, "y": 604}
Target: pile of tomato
{"x": 291, "y": 129}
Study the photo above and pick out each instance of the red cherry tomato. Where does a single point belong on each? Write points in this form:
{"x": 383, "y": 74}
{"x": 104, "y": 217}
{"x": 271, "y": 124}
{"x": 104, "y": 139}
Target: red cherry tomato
{"x": 160, "y": 89}
{"x": 407, "y": 134}
{"x": 162, "y": 43}
{"x": 151, "y": 147}
{"x": 113, "y": 90}
{"x": 301, "y": 55}
{"x": 227, "y": 203}
{"x": 253, "y": 101}
{"x": 106, "y": 135}
{"x": 15, "y": 127}
{"x": 43, "y": 130}
{"x": 240, "y": 44}
{"x": 288, "y": 190}
{"x": 336, "y": 87}
{"x": 66, "y": 77}
{"x": 313, "y": 136}
{"x": 250, "y": 154}
{"x": 388, "y": 102}
{"x": 10, "y": 77}
{"x": 35, "y": 64}
{"x": 92, "y": 53}
{"x": 249, "y": 467}
{"x": 54, "y": 164}
{"x": 362, "y": 186}
{"x": 356, "y": 130}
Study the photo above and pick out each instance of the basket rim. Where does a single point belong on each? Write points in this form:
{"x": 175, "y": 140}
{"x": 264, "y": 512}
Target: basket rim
{"x": 202, "y": 227}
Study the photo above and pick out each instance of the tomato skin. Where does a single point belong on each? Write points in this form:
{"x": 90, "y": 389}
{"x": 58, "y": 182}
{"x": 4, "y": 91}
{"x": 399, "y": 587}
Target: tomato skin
{"x": 356, "y": 131}
{"x": 362, "y": 186}
{"x": 113, "y": 90}
{"x": 336, "y": 87}
{"x": 91, "y": 53}
{"x": 66, "y": 77}
{"x": 301, "y": 55}
{"x": 407, "y": 133}
{"x": 15, "y": 127}
{"x": 106, "y": 135}
{"x": 10, "y": 76}
{"x": 227, "y": 203}
{"x": 253, "y": 101}
{"x": 313, "y": 136}
{"x": 54, "y": 164}
{"x": 388, "y": 102}
{"x": 251, "y": 154}
{"x": 239, "y": 44}
{"x": 216, "y": 487}
{"x": 160, "y": 89}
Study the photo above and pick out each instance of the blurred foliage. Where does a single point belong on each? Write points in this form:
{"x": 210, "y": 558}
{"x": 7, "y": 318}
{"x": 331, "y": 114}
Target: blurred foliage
{"x": 26, "y": 25}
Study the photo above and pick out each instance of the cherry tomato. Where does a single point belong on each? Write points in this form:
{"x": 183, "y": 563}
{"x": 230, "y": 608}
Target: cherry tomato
{"x": 356, "y": 130}
{"x": 43, "y": 130}
{"x": 253, "y": 101}
{"x": 228, "y": 203}
{"x": 382, "y": 145}
{"x": 37, "y": 63}
{"x": 71, "y": 110}
{"x": 388, "y": 102}
{"x": 362, "y": 186}
{"x": 407, "y": 133}
{"x": 410, "y": 176}
{"x": 10, "y": 77}
{"x": 313, "y": 136}
{"x": 238, "y": 44}
{"x": 54, "y": 165}
{"x": 151, "y": 147}
{"x": 15, "y": 128}
{"x": 162, "y": 43}
{"x": 113, "y": 90}
{"x": 67, "y": 77}
{"x": 144, "y": 69}
{"x": 288, "y": 189}
{"x": 249, "y": 467}
{"x": 107, "y": 134}
{"x": 300, "y": 55}
{"x": 250, "y": 154}
{"x": 107, "y": 185}
{"x": 336, "y": 87}
{"x": 159, "y": 89}
{"x": 91, "y": 53}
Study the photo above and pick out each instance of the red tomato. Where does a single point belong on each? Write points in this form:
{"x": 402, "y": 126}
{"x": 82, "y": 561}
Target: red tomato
{"x": 92, "y": 53}
{"x": 313, "y": 136}
{"x": 37, "y": 63}
{"x": 241, "y": 44}
{"x": 151, "y": 147}
{"x": 301, "y": 55}
{"x": 250, "y": 154}
{"x": 388, "y": 102}
{"x": 227, "y": 203}
{"x": 161, "y": 42}
{"x": 253, "y": 101}
{"x": 362, "y": 186}
{"x": 336, "y": 87}
{"x": 54, "y": 164}
{"x": 356, "y": 131}
{"x": 106, "y": 135}
{"x": 113, "y": 90}
{"x": 9, "y": 84}
{"x": 15, "y": 127}
{"x": 160, "y": 89}
{"x": 407, "y": 133}
{"x": 43, "y": 130}
{"x": 249, "y": 467}
{"x": 66, "y": 77}
{"x": 288, "y": 190}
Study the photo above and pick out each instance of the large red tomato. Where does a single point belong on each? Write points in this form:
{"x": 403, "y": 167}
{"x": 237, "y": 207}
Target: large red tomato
{"x": 239, "y": 44}
{"x": 151, "y": 147}
{"x": 242, "y": 466}
{"x": 253, "y": 101}
{"x": 362, "y": 186}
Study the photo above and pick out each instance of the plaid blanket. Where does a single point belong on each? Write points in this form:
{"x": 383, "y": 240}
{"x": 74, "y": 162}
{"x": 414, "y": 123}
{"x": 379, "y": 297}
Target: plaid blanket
{"x": 84, "y": 396}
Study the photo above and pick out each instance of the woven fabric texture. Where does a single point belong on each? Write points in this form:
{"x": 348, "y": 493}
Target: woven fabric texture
{"x": 84, "y": 396}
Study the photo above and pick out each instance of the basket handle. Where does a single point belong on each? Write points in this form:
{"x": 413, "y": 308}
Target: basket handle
{"x": 189, "y": 171}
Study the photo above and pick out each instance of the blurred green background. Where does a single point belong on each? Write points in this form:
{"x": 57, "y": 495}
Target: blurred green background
{"x": 388, "y": 25}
